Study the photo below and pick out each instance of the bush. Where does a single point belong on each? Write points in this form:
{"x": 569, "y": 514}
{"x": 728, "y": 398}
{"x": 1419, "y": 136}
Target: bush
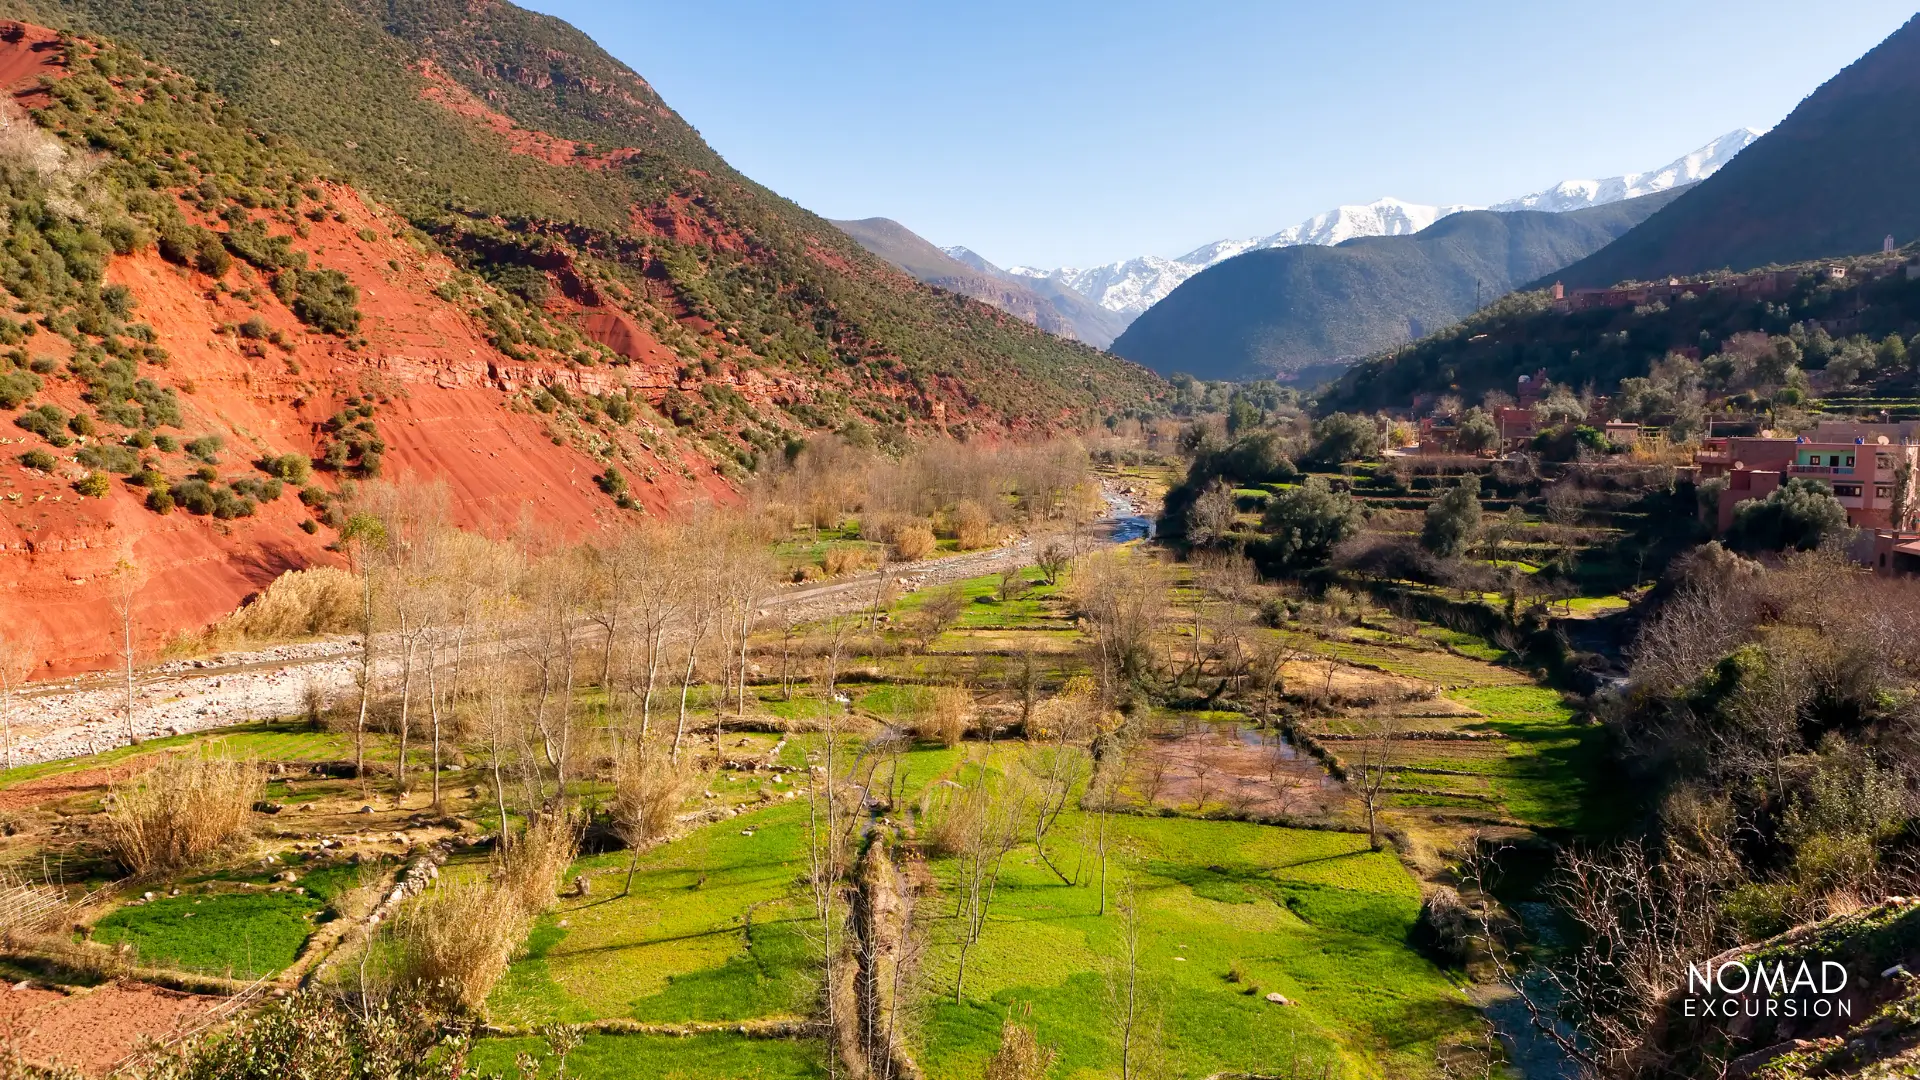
{"x": 180, "y": 811}
{"x": 913, "y": 540}
{"x": 1800, "y": 514}
{"x": 160, "y": 500}
{"x": 324, "y": 300}
{"x": 456, "y": 941}
{"x": 17, "y": 387}
{"x": 299, "y": 603}
{"x": 972, "y": 525}
{"x": 1344, "y": 437}
{"x": 110, "y": 458}
{"x": 529, "y": 868}
{"x": 943, "y": 714}
{"x": 94, "y": 485}
{"x": 1306, "y": 523}
{"x": 292, "y": 468}
{"x": 1453, "y": 519}
{"x": 38, "y": 459}
{"x": 846, "y": 560}
{"x": 206, "y": 448}
{"x": 48, "y": 421}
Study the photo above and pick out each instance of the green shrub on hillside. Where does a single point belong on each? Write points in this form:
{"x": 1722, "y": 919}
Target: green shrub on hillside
{"x": 324, "y": 300}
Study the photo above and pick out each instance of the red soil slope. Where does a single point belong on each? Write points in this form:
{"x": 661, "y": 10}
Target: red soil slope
{"x": 448, "y": 415}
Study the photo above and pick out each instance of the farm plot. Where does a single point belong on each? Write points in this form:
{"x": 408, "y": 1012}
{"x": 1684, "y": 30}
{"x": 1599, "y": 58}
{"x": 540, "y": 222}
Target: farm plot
{"x": 1226, "y": 913}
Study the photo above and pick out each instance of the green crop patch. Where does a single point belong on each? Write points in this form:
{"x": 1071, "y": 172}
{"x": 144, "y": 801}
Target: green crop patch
{"x": 245, "y": 934}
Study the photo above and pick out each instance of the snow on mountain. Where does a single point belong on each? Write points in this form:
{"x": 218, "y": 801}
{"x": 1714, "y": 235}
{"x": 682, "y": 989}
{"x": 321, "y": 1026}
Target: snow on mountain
{"x": 1134, "y": 285}
{"x": 1576, "y": 194}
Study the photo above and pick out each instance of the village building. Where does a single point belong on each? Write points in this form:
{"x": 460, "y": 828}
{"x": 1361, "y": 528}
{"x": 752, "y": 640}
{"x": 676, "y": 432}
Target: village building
{"x": 1857, "y": 460}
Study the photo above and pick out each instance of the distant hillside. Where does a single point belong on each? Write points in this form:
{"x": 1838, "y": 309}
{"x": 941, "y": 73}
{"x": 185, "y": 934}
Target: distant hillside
{"x": 1623, "y": 338}
{"x": 1273, "y": 312}
{"x": 1046, "y": 304}
{"x": 1834, "y": 178}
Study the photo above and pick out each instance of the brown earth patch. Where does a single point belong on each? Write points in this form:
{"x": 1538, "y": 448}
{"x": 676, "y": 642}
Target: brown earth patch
{"x": 27, "y": 54}
{"x": 1214, "y": 766}
{"x": 94, "y": 1029}
{"x": 443, "y": 90}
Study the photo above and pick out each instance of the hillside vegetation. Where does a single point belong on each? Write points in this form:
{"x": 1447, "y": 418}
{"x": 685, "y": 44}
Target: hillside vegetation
{"x": 1278, "y": 311}
{"x": 1522, "y": 334}
{"x": 1833, "y": 178}
{"x": 518, "y": 143}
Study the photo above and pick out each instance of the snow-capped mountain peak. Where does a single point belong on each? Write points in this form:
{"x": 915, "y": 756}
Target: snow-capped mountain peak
{"x": 1134, "y": 285}
{"x": 1577, "y": 194}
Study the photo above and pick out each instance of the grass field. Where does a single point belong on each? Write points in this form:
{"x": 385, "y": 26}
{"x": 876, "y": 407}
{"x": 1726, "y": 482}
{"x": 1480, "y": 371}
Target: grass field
{"x": 1229, "y": 911}
{"x": 707, "y": 933}
{"x": 243, "y": 934}
{"x": 665, "y": 1057}
{"x": 274, "y": 741}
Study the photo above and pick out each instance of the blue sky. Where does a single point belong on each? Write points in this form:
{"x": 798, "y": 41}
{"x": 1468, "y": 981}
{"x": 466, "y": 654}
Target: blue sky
{"x": 1073, "y": 132}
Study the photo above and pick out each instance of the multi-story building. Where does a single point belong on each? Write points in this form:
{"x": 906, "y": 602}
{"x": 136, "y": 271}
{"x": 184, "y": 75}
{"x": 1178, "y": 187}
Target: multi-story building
{"x": 1858, "y": 460}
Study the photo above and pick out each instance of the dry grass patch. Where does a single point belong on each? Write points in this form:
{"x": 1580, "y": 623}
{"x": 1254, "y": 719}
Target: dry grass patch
{"x": 458, "y": 939}
{"x": 529, "y": 868}
{"x": 180, "y": 811}
{"x": 299, "y": 603}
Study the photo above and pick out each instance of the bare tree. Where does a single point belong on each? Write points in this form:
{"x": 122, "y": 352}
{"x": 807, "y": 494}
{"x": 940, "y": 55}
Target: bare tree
{"x": 1373, "y": 771}
{"x": 1122, "y": 597}
{"x": 990, "y": 815}
{"x": 16, "y": 660}
{"x": 1126, "y": 992}
{"x": 363, "y": 535}
{"x": 125, "y": 583}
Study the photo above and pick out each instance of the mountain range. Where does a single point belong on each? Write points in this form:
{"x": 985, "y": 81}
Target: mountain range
{"x": 1301, "y": 312}
{"x": 1051, "y": 306}
{"x": 1131, "y": 286}
{"x": 1834, "y": 178}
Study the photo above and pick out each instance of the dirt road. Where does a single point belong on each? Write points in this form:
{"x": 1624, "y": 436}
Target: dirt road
{"x": 86, "y": 714}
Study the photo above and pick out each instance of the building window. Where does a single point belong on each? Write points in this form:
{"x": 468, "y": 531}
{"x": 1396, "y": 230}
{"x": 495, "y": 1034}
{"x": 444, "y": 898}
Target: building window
{"x": 1849, "y": 461}
{"x": 1847, "y": 491}
{"x": 1883, "y": 491}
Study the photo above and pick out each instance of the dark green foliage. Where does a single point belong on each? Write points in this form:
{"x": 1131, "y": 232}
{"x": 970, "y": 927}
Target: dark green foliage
{"x": 1344, "y": 437}
{"x": 1278, "y": 311}
{"x": 1476, "y": 432}
{"x": 1566, "y": 443}
{"x": 47, "y": 421}
{"x": 17, "y": 388}
{"x": 160, "y": 500}
{"x": 324, "y": 300}
{"x": 110, "y": 458}
{"x": 166, "y": 444}
{"x": 250, "y": 241}
{"x": 1828, "y": 180}
{"x": 1304, "y": 524}
{"x": 37, "y": 459}
{"x": 251, "y": 488}
{"x": 1453, "y": 519}
{"x": 206, "y": 448}
{"x": 1799, "y": 514}
{"x": 198, "y": 496}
